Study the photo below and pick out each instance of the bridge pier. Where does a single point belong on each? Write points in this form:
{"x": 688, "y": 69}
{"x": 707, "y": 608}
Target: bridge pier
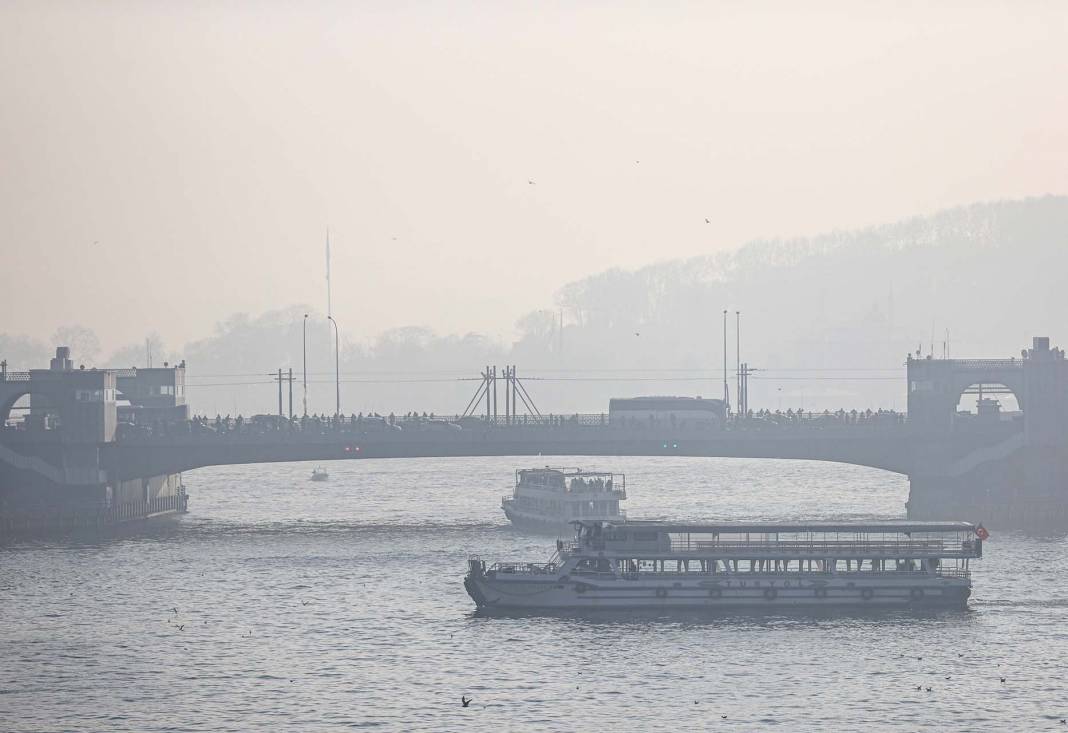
{"x": 32, "y": 505}
{"x": 1027, "y": 489}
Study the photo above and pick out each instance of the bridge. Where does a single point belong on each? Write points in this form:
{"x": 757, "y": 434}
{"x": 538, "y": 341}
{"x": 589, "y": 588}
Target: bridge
{"x": 78, "y": 455}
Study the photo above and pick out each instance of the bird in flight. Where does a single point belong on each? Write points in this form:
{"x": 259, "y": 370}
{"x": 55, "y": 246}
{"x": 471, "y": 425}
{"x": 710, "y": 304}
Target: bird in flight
{"x": 465, "y": 700}
{"x": 707, "y": 220}
{"x": 530, "y": 182}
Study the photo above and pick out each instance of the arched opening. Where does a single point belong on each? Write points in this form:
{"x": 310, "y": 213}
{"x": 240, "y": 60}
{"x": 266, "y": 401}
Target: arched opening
{"x": 19, "y": 410}
{"x": 14, "y": 407}
{"x": 985, "y": 403}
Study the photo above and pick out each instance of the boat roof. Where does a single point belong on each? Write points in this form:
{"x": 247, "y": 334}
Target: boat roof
{"x": 873, "y": 527}
{"x": 566, "y": 471}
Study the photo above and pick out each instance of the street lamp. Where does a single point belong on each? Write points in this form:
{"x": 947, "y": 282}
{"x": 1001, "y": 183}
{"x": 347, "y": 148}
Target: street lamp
{"x": 337, "y": 367}
{"x": 305, "y": 347}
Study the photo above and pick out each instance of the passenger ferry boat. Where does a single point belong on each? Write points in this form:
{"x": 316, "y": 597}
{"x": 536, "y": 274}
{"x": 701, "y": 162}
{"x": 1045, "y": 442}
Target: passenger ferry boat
{"x": 549, "y": 499}
{"x": 661, "y": 565}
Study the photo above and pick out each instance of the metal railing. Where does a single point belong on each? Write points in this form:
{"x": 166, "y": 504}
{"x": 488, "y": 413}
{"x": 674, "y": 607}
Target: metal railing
{"x": 828, "y": 548}
{"x": 524, "y": 568}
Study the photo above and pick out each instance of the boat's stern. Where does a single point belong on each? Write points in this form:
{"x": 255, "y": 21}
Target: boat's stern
{"x": 476, "y": 572}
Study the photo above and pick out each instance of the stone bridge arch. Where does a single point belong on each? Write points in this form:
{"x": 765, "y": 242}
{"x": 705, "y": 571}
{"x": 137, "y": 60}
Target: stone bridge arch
{"x": 12, "y": 388}
{"x": 936, "y": 386}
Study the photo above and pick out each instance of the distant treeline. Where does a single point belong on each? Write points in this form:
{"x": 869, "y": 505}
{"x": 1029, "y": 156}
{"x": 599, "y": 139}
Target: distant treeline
{"x": 828, "y": 320}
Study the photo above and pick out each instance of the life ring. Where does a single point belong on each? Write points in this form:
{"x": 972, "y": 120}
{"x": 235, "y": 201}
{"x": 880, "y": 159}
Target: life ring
{"x": 770, "y": 593}
{"x": 916, "y": 593}
{"x": 821, "y": 593}
{"x": 661, "y": 592}
{"x": 715, "y": 593}
{"x": 867, "y": 593}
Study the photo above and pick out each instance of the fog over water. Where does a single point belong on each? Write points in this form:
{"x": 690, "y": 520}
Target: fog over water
{"x": 381, "y": 199}
{"x": 389, "y": 640}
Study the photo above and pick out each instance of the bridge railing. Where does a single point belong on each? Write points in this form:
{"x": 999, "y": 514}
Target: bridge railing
{"x": 422, "y": 424}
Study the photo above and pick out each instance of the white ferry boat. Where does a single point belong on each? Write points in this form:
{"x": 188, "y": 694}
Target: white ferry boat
{"x": 660, "y": 565}
{"x": 549, "y": 499}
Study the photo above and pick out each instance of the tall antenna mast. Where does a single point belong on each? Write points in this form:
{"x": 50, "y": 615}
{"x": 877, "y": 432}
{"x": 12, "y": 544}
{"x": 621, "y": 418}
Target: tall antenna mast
{"x": 329, "y": 312}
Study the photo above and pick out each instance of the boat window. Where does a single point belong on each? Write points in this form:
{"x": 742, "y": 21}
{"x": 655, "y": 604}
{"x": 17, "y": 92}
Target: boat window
{"x": 645, "y": 536}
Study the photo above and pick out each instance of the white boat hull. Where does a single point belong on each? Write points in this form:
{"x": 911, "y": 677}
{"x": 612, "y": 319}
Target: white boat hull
{"x": 554, "y": 526}
{"x": 525, "y": 592}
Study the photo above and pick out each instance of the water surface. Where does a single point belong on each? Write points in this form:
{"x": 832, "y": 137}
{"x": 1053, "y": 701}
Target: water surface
{"x": 334, "y": 606}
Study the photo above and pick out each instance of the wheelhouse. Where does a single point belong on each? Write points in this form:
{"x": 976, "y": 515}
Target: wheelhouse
{"x": 941, "y": 548}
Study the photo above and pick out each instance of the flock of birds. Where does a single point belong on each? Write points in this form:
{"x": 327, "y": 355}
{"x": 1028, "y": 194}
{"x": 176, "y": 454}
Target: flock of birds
{"x": 466, "y": 701}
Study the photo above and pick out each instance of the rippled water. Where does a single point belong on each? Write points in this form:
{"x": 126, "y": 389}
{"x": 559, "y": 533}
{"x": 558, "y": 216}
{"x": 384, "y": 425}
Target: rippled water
{"x": 352, "y": 593}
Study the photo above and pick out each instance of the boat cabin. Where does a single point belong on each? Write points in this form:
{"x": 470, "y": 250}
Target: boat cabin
{"x": 942, "y": 548}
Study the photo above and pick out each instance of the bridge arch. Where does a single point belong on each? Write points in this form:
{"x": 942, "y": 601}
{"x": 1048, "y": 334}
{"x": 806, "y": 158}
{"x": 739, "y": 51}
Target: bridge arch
{"x": 10, "y": 394}
{"x": 936, "y": 386}
{"x": 987, "y": 400}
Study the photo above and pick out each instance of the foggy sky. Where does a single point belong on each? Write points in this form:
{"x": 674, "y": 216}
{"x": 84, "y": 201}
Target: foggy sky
{"x": 167, "y": 164}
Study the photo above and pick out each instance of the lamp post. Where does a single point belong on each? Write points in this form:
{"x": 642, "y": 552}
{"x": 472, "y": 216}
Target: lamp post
{"x": 305, "y": 347}
{"x": 337, "y": 367}
{"x": 726, "y": 390}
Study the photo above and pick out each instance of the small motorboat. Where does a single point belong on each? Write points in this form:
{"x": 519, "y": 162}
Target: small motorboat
{"x": 319, "y": 474}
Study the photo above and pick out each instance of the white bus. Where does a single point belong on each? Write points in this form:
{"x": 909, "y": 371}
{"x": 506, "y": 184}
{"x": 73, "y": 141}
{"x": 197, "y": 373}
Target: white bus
{"x": 674, "y": 411}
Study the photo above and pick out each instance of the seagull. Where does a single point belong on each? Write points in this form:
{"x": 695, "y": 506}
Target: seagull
{"x": 464, "y": 699}
{"x": 724, "y": 716}
{"x": 707, "y": 220}
{"x": 530, "y": 182}
{"x": 637, "y": 334}
{"x": 304, "y": 603}
{"x": 930, "y": 689}
{"x": 1002, "y": 679}
{"x": 180, "y": 627}
{"x": 919, "y": 688}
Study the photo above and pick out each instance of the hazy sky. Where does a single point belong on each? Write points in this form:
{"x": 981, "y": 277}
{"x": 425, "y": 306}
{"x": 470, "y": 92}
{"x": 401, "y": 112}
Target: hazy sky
{"x": 167, "y": 164}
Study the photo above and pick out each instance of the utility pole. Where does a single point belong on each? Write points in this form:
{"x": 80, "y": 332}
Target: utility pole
{"x": 279, "y": 392}
{"x": 290, "y": 393}
{"x": 507, "y": 393}
{"x": 337, "y": 367}
{"x": 305, "y": 346}
{"x": 738, "y": 360}
{"x": 726, "y": 389}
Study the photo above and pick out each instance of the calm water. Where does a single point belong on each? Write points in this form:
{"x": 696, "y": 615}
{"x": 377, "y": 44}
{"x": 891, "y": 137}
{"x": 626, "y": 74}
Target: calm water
{"x": 352, "y": 591}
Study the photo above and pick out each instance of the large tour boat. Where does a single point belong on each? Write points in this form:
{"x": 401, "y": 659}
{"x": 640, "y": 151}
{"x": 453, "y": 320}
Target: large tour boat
{"x": 661, "y": 565}
{"x": 549, "y": 499}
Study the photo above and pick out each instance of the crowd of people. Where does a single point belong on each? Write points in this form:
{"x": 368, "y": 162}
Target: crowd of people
{"x": 375, "y": 422}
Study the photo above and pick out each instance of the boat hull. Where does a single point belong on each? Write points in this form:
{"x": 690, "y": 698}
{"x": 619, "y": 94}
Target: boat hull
{"x": 545, "y": 525}
{"x": 548, "y": 593}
